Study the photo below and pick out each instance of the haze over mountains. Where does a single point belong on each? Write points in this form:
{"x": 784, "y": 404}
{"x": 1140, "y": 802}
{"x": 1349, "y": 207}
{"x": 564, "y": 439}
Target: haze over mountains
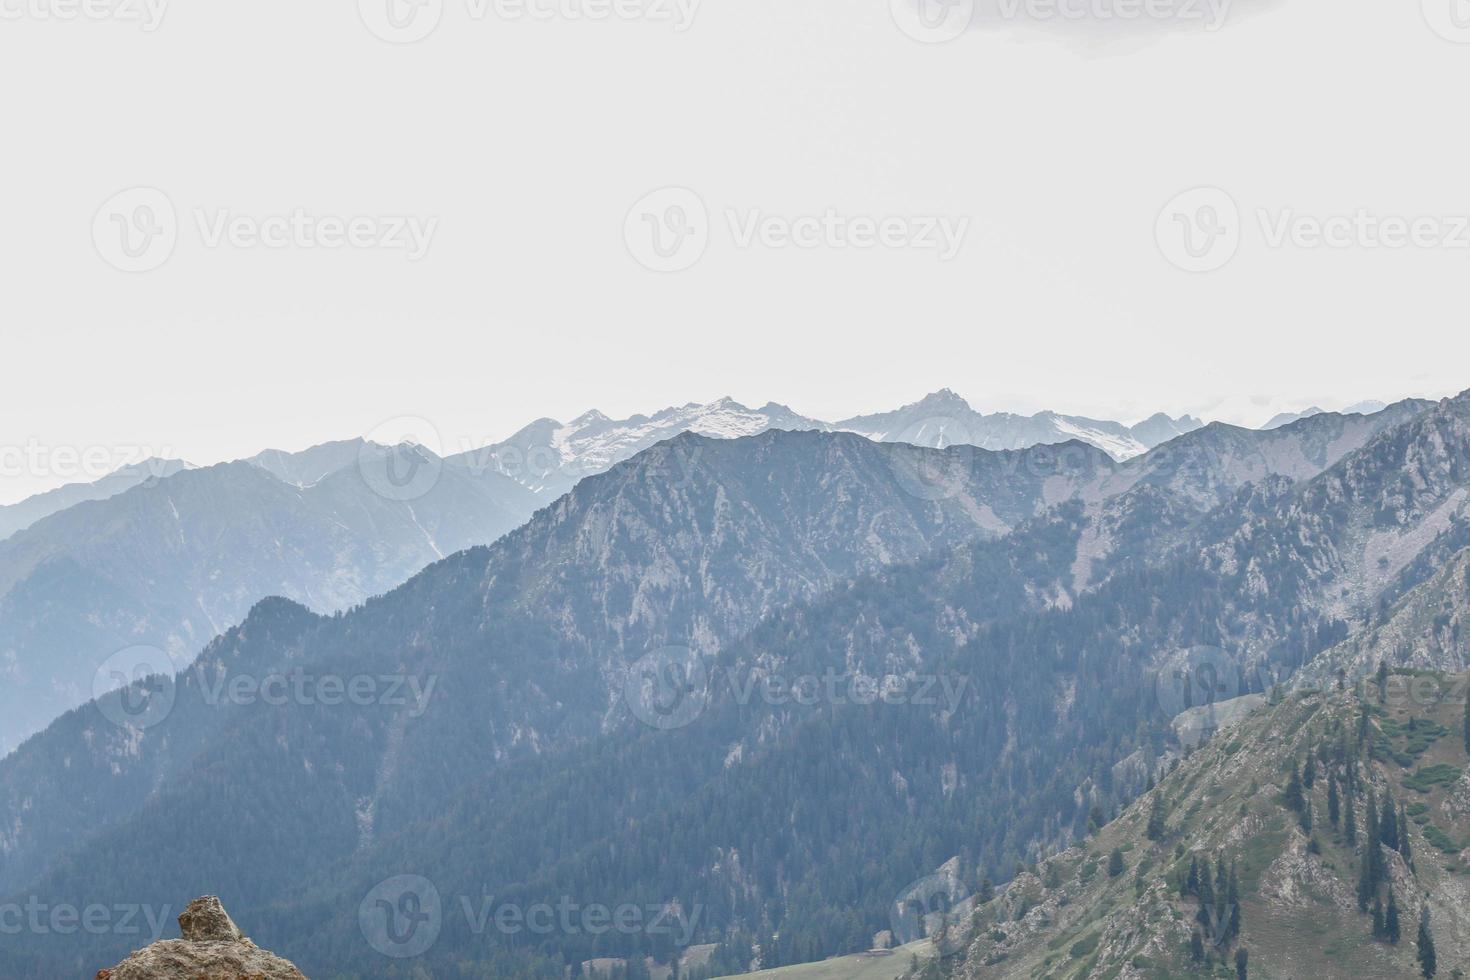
{"x": 1043, "y": 593}
{"x": 550, "y": 457}
{"x": 171, "y": 563}
{"x": 136, "y": 569}
{"x": 19, "y": 516}
{"x": 167, "y": 559}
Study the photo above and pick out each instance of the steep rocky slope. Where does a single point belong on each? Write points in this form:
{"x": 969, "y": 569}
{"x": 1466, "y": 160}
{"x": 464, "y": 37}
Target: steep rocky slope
{"x": 1292, "y": 802}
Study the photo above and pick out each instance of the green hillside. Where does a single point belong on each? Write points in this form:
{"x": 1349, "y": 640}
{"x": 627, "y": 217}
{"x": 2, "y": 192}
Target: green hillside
{"x": 1252, "y": 813}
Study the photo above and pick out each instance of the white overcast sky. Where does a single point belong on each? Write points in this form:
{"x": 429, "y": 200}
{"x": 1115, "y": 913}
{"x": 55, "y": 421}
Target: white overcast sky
{"x": 530, "y": 141}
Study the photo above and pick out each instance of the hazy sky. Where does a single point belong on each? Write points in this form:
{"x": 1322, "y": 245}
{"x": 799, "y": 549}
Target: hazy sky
{"x": 510, "y": 151}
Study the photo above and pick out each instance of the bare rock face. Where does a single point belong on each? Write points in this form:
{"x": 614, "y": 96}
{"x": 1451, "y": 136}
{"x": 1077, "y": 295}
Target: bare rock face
{"x": 206, "y": 921}
{"x": 213, "y": 948}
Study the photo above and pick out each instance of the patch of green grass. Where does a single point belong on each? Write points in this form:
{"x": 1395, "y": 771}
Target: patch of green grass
{"x": 1259, "y": 851}
{"x": 1439, "y": 774}
{"x": 1084, "y": 947}
{"x": 1441, "y": 840}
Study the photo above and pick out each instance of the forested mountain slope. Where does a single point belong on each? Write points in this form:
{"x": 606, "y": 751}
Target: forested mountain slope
{"x": 529, "y": 773}
{"x": 1307, "y": 840}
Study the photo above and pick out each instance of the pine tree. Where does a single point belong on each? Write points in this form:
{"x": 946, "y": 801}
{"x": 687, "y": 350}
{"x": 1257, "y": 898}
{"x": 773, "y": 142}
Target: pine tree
{"x": 1334, "y": 804}
{"x": 1367, "y": 888}
{"x": 1197, "y": 947}
{"x": 1391, "y": 930}
{"x": 1191, "y": 884}
{"x": 1156, "y": 819}
{"x": 1309, "y": 774}
{"x": 1378, "y": 925}
{"x": 1428, "y": 961}
{"x": 1115, "y": 863}
{"x": 1206, "y": 892}
{"x": 1388, "y": 825}
{"x": 1306, "y": 817}
{"x": 1404, "y": 848}
{"x": 1294, "y": 795}
{"x": 1242, "y": 963}
{"x": 1382, "y": 681}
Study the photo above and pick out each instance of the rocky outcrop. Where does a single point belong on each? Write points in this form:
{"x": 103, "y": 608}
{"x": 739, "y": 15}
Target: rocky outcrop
{"x": 213, "y": 948}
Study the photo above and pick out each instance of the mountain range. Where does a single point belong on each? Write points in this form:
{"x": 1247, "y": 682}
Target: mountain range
{"x": 946, "y": 419}
{"x": 1048, "y": 596}
{"x": 169, "y": 563}
{"x": 550, "y": 457}
{"x": 132, "y": 569}
{"x": 19, "y": 516}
